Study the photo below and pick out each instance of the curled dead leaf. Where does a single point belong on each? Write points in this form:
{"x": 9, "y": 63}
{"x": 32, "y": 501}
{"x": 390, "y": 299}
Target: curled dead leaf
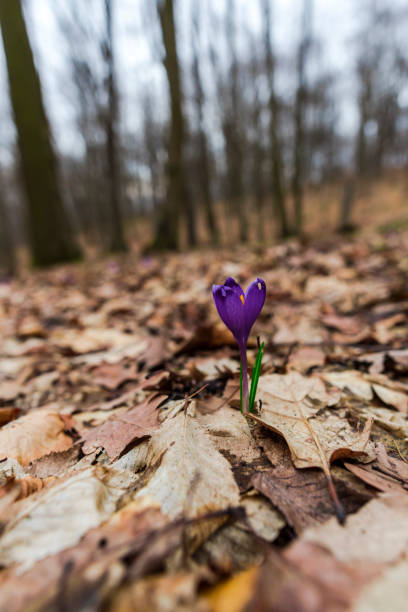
{"x": 295, "y": 407}
{"x": 33, "y": 435}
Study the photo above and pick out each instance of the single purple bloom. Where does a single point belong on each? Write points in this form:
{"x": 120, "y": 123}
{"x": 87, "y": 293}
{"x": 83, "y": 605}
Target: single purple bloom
{"x": 239, "y": 312}
{"x": 237, "y": 309}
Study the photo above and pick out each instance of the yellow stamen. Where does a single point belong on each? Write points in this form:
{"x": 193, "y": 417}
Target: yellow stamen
{"x": 242, "y": 299}
{"x": 259, "y": 286}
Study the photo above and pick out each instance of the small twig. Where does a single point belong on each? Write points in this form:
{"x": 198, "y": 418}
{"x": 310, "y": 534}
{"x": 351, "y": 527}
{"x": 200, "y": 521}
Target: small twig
{"x": 399, "y": 452}
{"x": 198, "y": 391}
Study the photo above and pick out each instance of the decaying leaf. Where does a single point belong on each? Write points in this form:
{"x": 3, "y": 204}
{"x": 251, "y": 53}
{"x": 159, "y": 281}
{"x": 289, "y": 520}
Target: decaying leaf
{"x": 33, "y": 435}
{"x": 264, "y": 520}
{"x": 352, "y": 380}
{"x": 322, "y": 585}
{"x": 175, "y": 591}
{"x": 234, "y": 594}
{"x": 230, "y": 433}
{"x": 392, "y": 398}
{"x": 89, "y": 568}
{"x": 117, "y": 433}
{"x": 112, "y": 375}
{"x": 189, "y": 476}
{"x": 388, "y": 592}
{"x": 340, "y": 568}
{"x": 213, "y": 367}
{"x": 294, "y": 407}
{"x": 109, "y": 501}
{"x": 306, "y": 357}
{"x": 45, "y": 523}
{"x": 363, "y": 387}
{"x": 363, "y": 539}
{"x": 302, "y": 495}
{"x": 390, "y": 465}
{"x": 375, "y": 479}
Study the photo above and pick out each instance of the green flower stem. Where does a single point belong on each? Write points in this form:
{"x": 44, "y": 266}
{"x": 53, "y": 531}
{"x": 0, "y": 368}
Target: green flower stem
{"x": 244, "y": 381}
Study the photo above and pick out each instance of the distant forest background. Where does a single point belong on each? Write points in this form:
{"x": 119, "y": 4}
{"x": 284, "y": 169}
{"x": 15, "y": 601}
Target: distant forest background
{"x": 242, "y": 143}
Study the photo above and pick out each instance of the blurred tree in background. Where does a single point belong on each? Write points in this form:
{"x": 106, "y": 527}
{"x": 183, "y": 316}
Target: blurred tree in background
{"x": 178, "y": 202}
{"x": 222, "y": 133}
{"x": 275, "y": 148}
{"x": 51, "y": 238}
{"x": 7, "y": 261}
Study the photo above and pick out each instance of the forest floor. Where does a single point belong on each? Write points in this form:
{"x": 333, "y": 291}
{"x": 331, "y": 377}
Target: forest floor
{"x": 130, "y": 480}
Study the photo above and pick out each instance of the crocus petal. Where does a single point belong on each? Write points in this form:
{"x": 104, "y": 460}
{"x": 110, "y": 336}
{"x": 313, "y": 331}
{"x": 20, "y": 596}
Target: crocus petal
{"x": 231, "y": 310}
{"x": 232, "y": 284}
{"x": 254, "y": 301}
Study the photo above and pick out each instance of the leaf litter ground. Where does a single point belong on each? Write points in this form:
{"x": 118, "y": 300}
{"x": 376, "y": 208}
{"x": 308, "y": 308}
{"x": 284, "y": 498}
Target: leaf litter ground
{"x": 129, "y": 479}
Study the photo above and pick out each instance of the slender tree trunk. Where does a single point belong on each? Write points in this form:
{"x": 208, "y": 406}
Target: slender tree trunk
{"x": 299, "y": 117}
{"x": 204, "y": 155}
{"x": 7, "y": 259}
{"x": 364, "y": 73}
{"x": 51, "y": 239}
{"x": 233, "y": 133}
{"x": 117, "y": 238}
{"x": 346, "y": 205}
{"x": 277, "y": 173}
{"x": 258, "y": 151}
{"x": 206, "y": 189}
{"x": 178, "y": 201}
{"x": 259, "y": 192}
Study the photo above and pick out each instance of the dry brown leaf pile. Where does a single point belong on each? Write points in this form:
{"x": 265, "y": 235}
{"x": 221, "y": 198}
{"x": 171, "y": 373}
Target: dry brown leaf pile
{"x": 119, "y": 491}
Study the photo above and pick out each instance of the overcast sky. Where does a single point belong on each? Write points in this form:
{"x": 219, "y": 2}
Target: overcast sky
{"x": 334, "y": 23}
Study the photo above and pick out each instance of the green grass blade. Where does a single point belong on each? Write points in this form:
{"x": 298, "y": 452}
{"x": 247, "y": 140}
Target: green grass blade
{"x": 255, "y": 377}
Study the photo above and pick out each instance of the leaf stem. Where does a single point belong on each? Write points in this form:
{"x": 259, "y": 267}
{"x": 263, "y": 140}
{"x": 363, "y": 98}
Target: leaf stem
{"x": 340, "y": 513}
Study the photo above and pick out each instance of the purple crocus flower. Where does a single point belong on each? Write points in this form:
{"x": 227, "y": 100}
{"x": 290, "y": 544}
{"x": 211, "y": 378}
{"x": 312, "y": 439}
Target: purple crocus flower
{"x": 239, "y": 312}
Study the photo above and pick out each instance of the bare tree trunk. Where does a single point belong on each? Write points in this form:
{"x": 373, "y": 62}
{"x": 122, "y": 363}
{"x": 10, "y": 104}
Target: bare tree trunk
{"x": 51, "y": 239}
{"x": 117, "y": 241}
{"x": 258, "y": 150}
{"x": 7, "y": 258}
{"x": 204, "y": 155}
{"x": 233, "y": 132}
{"x": 178, "y": 200}
{"x": 276, "y": 174}
{"x": 364, "y": 102}
{"x": 300, "y": 109}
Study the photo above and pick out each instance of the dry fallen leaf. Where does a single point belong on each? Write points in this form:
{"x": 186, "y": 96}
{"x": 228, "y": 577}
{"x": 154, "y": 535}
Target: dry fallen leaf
{"x": 33, "y": 435}
{"x": 230, "y": 433}
{"x": 150, "y": 475}
{"x": 340, "y": 568}
{"x": 387, "y": 592}
{"x": 294, "y": 407}
{"x": 322, "y": 584}
{"x": 285, "y": 486}
{"x": 351, "y": 380}
{"x": 189, "y": 476}
{"x": 112, "y": 375}
{"x": 175, "y": 591}
{"x": 117, "y": 433}
{"x": 390, "y": 465}
{"x": 392, "y": 398}
{"x": 58, "y": 517}
{"x": 363, "y": 387}
{"x": 234, "y": 594}
{"x": 375, "y": 479}
{"x": 306, "y": 357}
{"x": 377, "y": 533}
{"x": 92, "y": 562}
